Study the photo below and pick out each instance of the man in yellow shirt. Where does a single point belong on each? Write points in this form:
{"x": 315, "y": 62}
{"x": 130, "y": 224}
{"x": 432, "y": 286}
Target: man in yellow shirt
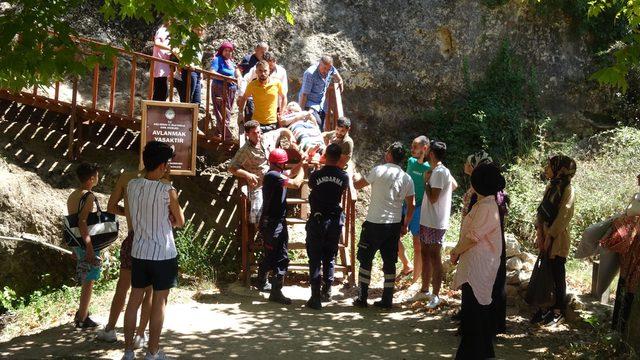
{"x": 268, "y": 97}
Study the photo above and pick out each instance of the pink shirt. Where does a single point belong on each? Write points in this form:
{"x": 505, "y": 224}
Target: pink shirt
{"x": 161, "y": 69}
{"x": 478, "y": 266}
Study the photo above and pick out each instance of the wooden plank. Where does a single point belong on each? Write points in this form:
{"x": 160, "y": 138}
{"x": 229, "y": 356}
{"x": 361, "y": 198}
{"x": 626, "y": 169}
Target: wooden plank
{"x": 171, "y": 70}
{"x": 112, "y": 93}
{"x": 132, "y": 85}
{"x": 207, "y": 117}
{"x": 57, "y": 91}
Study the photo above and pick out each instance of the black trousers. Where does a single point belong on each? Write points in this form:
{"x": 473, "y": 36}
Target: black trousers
{"x": 195, "y": 88}
{"x": 276, "y": 247}
{"x": 499, "y": 297}
{"x": 560, "y": 282}
{"x": 323, "y": 235}
{"x": 160, "y": 89}
{"x": 476, "y": 334}
{"x": 374, "y": 237}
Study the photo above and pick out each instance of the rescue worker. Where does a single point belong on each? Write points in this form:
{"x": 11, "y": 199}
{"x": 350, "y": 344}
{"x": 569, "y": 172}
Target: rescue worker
{"x": 325, "y": 224}
{"x": 273, "y": 224}
{"x": 390, "y": 186}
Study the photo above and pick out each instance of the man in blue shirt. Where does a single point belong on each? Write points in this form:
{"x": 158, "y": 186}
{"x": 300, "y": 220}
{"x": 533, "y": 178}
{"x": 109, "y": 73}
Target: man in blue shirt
{"x": 315, "y": 81}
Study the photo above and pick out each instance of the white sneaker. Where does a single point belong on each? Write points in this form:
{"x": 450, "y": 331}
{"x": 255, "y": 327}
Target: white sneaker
{"x": 140, "y": 341}
{"x": 107, "y": 336}
{"x": 160, "y": 355}
{"x": 129, "y": 355}
{"x": 421, "y": 296}
{"x": 435, "y": 301}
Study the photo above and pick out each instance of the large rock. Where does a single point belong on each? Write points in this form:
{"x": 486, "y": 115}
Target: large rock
{"x": 514, "y": 263}
{"x": 513, "y": 278}
{"x": 512, "y": 291}
{"x": 512, "y": 245}
{"x": 528, "y": 258}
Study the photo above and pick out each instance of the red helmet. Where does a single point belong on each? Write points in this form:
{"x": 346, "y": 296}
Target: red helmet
{"x": 278, "y": 156}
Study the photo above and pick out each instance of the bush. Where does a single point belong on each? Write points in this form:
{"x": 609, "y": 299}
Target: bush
{"x": 607, "y": 165}
{"x": 498, "y": 113}
{"x": 198, "y": 258}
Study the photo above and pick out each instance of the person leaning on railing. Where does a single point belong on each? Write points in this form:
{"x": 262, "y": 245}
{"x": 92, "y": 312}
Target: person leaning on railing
{"x": 222, "y": 64}
{"x": 315, "y": 81}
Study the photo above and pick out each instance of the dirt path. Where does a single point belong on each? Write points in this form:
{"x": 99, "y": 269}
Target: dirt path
{"x": 239, "y": 323}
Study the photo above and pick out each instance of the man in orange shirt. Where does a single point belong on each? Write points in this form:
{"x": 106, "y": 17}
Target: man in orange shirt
{"x": 268, "y": 97}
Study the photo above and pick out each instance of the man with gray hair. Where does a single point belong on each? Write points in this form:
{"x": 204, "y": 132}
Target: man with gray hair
{"x": 315, "y": 81}
{"x": 250, "y": 60}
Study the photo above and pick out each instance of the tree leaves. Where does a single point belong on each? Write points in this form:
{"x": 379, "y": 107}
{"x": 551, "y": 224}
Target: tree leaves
{"x": 36, "y": 46}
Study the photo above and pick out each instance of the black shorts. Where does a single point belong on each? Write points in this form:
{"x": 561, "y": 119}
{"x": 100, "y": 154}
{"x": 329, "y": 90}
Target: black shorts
{"x": 161, "y": 274}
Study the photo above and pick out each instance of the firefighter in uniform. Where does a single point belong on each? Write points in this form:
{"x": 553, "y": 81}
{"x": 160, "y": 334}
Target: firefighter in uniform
{"x": 390, "y": 186}
{"x": 325, "y": 224}
{"x": 273, "y": 225}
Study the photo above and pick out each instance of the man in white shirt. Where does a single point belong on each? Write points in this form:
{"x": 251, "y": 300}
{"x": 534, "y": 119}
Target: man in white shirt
{"x": 276, "y": 72}
{"x": 390, "y": 187}
{"x": 161, "y": 50}
{"x": 434, "y": 220}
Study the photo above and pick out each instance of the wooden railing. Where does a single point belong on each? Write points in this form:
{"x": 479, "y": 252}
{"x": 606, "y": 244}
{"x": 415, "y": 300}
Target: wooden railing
{"x": 110, "y": 114}
{"x": 334, "y": 107}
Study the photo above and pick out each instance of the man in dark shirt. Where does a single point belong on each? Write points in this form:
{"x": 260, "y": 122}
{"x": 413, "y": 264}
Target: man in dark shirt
{"x": 273, "y": 224}
{"x": 325, "y": 224}
{"x": 250, "y": 60}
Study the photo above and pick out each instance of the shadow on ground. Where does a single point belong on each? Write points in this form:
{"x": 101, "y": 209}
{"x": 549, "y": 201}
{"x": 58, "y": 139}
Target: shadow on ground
{"x": 244, "y": 327}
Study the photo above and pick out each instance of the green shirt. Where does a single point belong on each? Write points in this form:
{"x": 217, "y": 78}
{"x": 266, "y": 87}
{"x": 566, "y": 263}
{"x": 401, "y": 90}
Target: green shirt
{"x": 416, "y": 171}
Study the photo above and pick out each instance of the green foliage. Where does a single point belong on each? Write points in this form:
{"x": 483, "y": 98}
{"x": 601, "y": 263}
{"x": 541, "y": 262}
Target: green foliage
{"x": 30, "y": 55}
{"x": 498, "y": 113}
{"x": 9, "y": 300}
{"x": 203, "y": 260}
{"x": 604, "y": 183}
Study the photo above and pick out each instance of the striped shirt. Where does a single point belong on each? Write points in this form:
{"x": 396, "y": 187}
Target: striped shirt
{"x": 149, "y": 210}
{"x": 478, "y": 266}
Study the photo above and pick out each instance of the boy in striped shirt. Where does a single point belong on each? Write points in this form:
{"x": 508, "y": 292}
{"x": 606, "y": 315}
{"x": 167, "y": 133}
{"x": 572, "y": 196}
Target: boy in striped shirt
{"x": 154, "y": 211}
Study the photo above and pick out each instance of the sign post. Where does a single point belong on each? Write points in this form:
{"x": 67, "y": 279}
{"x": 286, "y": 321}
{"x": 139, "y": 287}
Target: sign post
{"x": 175, "y": 124}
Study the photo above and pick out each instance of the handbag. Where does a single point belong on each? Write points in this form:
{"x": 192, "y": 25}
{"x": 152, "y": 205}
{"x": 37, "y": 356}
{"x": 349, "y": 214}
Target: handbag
{"x": 541, "y": 285}
{"x": 103, "y": 227}
{"x": 619, "y": 240}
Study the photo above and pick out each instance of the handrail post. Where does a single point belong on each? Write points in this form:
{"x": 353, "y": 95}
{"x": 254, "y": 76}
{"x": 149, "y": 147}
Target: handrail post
{"x": 151, "y": 80}
{"x": 71, "y": 151}
{"x": 207, "y": 117}
{"x": 112, "y": 93}
{"x": 171, "y": 70}
{"x": 244, "y": 233}
{"x": 94, "y": 88}
{"x": 132, "y": 85}
{"x": 187, "y": 88}
{"x": 57, "y": 91}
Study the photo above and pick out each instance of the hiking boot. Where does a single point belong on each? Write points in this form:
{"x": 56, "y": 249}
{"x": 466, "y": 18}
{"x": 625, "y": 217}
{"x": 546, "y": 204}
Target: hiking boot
{"x": 129, "y": 355}
{"x": 160, "y": 355}
{"x": 315, "y": 303}
{"x": 539, "y": 316}
{"x": 140, "y": 341}
{"x": 107, "y": 336}
{"x": 277, "y": 296}
{"x": 383, "y": 304}
{"x": 361, "y": 303}
{"x": 87, "y": 323}
{"x": 325, "y": 294}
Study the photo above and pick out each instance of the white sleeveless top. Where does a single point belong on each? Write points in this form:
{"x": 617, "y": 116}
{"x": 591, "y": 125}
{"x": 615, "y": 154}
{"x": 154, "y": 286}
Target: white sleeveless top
{"x": 149, "y": 210}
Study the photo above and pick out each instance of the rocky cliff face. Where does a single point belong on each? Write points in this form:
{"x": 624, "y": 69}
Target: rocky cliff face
{"x": 399, "y": 57}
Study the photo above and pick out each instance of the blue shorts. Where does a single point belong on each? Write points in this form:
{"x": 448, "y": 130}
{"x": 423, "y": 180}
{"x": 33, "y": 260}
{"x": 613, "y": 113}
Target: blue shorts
{"x": 414, "y": 225}
{"x": 86, "y": 271}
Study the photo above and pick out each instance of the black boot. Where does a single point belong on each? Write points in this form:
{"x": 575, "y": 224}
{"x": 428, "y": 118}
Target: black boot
{"x": 363, "y": 294}
{"x": 315, "y": 301}
{"x": 276, "y": 294}
{"x": 261, "y": 283}
{"x": 325, "y": 294}
{"x": 387, "y": 299}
